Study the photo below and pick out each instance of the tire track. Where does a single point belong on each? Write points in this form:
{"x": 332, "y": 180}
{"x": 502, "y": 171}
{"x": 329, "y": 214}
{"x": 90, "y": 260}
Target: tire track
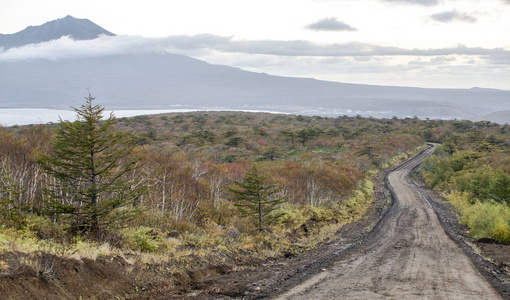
{"x": 412, "y": 257}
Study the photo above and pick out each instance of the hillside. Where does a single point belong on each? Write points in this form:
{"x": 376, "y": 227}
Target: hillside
{"x": 501, "y": 117}
{"x": 159, "y": 81}
{"x": 188, "y": 231}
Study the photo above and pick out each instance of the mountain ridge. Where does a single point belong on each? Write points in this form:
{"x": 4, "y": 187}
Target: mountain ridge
{"x": 78, "y": 29}
{"x": 160, "y": 81}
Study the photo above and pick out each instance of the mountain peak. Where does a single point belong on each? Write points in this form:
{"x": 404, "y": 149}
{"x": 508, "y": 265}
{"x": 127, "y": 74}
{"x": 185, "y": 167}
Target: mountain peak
{"x": 78, "y": 29}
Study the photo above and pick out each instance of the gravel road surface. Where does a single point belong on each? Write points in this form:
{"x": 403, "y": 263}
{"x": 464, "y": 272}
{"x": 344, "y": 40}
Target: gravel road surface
{"x": 411, "y": 258}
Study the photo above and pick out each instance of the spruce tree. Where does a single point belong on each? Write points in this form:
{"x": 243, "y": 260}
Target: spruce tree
{"x": 257, "y": 197}
{"x": 89, "y": 164}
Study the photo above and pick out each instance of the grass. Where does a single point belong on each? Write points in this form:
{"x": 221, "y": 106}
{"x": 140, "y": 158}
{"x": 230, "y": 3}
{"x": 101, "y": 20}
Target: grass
{"x": 25, "y": 241}
{"x": 191, "y": 249}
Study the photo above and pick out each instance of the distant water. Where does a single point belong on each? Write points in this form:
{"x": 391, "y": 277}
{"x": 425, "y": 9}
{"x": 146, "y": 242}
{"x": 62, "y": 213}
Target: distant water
{"x": 25, "y": 116}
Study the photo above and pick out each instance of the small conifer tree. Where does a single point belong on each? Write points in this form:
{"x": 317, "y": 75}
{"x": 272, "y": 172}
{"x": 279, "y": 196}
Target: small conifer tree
{"x": 257, "y": 197}
{"x": 89, "y": 164}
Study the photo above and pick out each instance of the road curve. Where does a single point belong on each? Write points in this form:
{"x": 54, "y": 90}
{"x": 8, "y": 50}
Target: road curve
{"x": 411, "y": 258}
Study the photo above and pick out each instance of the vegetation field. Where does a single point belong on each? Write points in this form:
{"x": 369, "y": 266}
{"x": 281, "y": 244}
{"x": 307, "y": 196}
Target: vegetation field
{"x": 165, "y": 193}
{"x": 472, "y": 170}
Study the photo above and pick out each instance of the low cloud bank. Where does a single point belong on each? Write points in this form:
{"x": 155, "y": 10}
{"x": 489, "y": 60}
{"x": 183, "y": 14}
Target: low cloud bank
{"x": 199, "y": 45}
{"x": 456, "y": 66}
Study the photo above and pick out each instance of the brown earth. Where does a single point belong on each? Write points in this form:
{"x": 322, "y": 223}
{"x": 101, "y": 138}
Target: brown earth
{"x": 398, "y": 249}
{"x": 51, "y": 277}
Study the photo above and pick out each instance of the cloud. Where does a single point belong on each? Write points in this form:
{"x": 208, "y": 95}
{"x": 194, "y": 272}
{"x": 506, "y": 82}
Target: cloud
{"x": 419, "y": 2}
{"x": 330, "y": 24}
{"x": 442, "y": 59}
{"x": 66, "y": 47}
{"x": 348, "y": 62}
{"x": 451, "y": 16}
{"x": 499, "y": 59}
{"x": 439, "y": 60}
{"x": 353, "y": 49}
{"x": 206, "y": 44}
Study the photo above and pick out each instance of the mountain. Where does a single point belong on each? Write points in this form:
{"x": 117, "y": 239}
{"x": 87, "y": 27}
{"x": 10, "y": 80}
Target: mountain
{"x": 501, "y": 117}
{"x": 78, "y": 29}
{"x": 163, "y": 81}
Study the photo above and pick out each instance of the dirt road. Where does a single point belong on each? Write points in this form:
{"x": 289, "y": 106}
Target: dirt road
{"x": 411, "y": 258}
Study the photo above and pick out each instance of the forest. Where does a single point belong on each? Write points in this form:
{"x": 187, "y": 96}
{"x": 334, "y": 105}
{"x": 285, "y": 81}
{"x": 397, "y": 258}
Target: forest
{"x": 175, "y": 188}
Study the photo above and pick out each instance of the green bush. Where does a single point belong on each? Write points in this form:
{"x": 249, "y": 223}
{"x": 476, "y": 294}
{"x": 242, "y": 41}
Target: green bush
{"x": 484, "y": 219}
{"x": 142, "y": 238}
{"x": 488, "y": 220}
{"x": 323, "y": 213}
{"x": 292, "y": 216}
{"x": 45, "y": 228}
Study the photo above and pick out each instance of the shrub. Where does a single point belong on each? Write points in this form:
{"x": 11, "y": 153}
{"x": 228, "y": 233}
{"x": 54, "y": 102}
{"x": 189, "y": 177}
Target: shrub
{"x": 488, "y": 220}
{"x": 292, "y": 216}
{"x": 45, "y": 228}
{"x": 142, "y": 238}
{"x": 484, "y": 220}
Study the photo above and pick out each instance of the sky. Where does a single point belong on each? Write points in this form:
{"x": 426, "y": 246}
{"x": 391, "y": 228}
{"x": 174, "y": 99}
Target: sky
{"x": 421, "y": 43}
